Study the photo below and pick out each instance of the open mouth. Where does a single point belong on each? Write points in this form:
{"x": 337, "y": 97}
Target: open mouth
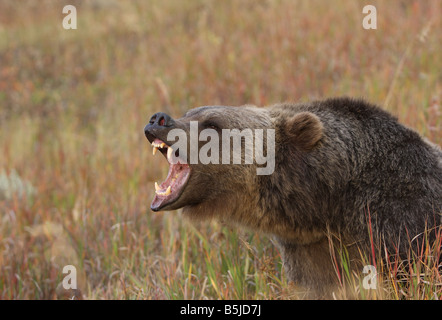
{"x": 179, "y": 172}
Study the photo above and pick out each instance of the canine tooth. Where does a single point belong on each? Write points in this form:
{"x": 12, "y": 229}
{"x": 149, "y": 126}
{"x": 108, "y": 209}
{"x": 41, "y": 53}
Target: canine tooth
{"x": 156, "y": 187}
{"x": 154, "y": 150}
{"x": 166, "y": 193}
{"x": 162, "y": 145}
{"x": 169, "y": 154}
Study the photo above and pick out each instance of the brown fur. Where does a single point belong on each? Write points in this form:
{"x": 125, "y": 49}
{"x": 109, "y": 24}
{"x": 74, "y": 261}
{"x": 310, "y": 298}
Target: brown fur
{"x": 305, "y": 130}
{"x": 338, "y": 162}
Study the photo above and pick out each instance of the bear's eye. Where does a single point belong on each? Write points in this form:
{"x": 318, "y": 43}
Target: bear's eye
{"x": 211, "y": 125}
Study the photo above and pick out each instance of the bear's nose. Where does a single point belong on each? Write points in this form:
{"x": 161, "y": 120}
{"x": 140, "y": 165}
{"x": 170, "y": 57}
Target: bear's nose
{"x": 157, "y": 122}
{"x": 161, "y": 119}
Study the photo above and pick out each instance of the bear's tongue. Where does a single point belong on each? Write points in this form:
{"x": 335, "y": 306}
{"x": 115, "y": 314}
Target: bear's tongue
{"x": 170, "y": 190}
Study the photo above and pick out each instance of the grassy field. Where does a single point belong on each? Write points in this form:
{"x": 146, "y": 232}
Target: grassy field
{"x": 76, "y": 172}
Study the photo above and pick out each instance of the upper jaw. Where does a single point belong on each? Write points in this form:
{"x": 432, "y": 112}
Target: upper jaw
{"x": 166, "y": 150}
{"x": 154, "y": 131}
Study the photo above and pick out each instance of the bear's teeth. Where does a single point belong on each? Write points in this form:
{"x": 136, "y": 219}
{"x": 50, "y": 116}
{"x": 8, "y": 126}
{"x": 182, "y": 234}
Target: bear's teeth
{"x": 158, "y": 145}
{"x": 169, "y": 154}
{"x": 166, "y": 193}
{"x": 156, "y": 187}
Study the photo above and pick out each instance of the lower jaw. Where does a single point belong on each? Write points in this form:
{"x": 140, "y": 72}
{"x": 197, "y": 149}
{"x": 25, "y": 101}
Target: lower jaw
{"x": 156, "y": 204}
{"x": 177, "y": 181}
{"x": 160, "y": 203}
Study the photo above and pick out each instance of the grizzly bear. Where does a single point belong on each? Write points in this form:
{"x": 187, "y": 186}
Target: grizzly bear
{"x": 342, "y": 169}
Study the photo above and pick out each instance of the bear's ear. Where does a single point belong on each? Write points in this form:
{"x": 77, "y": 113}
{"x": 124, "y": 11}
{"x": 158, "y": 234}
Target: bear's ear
{"x": 304, "y": 130}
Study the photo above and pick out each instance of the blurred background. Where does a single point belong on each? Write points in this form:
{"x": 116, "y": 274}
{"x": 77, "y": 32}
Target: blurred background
{"x": 76, "y": 172}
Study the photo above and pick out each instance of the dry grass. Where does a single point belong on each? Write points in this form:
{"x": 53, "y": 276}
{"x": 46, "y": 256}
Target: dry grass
{"x": 73, "y": 105}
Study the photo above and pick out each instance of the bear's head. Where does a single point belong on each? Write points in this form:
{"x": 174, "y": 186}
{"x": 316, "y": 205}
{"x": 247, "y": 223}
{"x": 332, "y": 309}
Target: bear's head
{"x": 218, "y": 155}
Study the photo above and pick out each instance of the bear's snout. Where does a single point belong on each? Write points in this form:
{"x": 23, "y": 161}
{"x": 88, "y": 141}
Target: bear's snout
{"x": 157, "y": 123}
{"x": 161, "y": 119}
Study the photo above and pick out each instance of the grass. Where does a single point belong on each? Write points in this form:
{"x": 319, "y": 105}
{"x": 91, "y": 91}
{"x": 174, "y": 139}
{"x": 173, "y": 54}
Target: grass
{"x": 73, "y": 105}
{"x": 417, "y": 276}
